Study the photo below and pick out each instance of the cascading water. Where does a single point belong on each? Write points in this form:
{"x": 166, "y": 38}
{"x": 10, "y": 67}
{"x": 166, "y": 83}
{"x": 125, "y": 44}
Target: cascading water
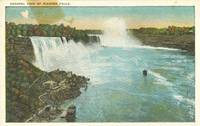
{"x": 41, "y": 46}
{"x": 118, "y": 91}
{"x": 51, "y": 53}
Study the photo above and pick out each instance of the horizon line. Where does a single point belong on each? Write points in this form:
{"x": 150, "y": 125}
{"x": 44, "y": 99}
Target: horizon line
{"x": 97, "y": 28}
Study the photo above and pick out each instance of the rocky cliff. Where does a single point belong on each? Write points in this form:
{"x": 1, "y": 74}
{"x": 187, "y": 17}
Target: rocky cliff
{"x": 28, "y": 89}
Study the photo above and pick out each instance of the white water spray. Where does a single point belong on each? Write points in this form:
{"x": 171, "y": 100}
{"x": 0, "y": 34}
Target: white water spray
{"x": 115, "y": 34}
{"x": 51, "y": 53}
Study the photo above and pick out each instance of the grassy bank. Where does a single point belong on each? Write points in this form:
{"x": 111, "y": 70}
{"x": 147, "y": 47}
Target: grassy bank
{"x": 171, "y": 37}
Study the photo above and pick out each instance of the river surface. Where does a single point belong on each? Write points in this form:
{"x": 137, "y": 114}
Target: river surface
{"x": 118, "y": 91}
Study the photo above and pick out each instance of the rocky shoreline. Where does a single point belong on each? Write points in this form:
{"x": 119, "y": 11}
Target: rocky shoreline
{"x": 29, "y": 89}
{"x": 31, "y": 92}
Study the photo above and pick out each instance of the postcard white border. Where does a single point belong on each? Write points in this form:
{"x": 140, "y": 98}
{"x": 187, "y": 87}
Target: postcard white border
{"x": 195, "y": 3}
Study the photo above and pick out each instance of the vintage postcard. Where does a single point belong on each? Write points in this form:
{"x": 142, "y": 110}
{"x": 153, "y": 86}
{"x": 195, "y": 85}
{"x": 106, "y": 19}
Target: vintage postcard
{"x": 126, "y": 62}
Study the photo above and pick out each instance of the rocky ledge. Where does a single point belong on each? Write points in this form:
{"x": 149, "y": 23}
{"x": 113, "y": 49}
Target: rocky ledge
{"x": 29, "y": 90}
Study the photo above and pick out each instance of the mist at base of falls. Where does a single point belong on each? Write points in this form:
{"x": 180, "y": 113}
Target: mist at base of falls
{"x": 115, "y": 34}
{"x": 51, "y": 53}
{"x": 118, "y": 91}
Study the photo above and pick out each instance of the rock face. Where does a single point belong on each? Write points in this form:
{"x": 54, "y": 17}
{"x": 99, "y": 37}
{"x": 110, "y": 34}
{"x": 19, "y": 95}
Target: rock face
{"x": 71, "y": 114}
{"x": 29, "y": 89}
{"x": 94, "y": 39}
{"x": 22, "y": 46}
{"x": 60, "y": 85}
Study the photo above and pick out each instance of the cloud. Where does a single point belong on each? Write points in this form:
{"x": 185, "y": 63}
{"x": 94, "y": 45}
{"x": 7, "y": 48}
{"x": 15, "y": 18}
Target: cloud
{"x": 24, "y": 14}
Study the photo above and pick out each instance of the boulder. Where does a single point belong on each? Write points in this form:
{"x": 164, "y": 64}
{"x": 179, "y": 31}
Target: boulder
{"x": 69, "y": 74}
{"x": 71, "y": 114}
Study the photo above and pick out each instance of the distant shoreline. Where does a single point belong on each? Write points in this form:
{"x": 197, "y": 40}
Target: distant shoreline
{"x": 183, "y": 42}
{"x": 23, "y": 101}
{"x": 171, "y": 37}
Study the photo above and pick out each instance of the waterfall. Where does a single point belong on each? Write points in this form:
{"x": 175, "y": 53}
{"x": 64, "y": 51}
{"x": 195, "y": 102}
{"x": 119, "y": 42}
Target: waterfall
{"x": 41, "y": 46}
{"x": 51, "y": 54}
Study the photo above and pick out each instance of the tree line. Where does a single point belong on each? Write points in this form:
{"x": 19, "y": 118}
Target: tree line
{"x": 170, "y": 30}
{"x": 26, "y": 30}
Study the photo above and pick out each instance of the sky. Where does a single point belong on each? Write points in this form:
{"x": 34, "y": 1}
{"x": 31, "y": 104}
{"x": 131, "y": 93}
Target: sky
{"x": 93, "y": 17}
